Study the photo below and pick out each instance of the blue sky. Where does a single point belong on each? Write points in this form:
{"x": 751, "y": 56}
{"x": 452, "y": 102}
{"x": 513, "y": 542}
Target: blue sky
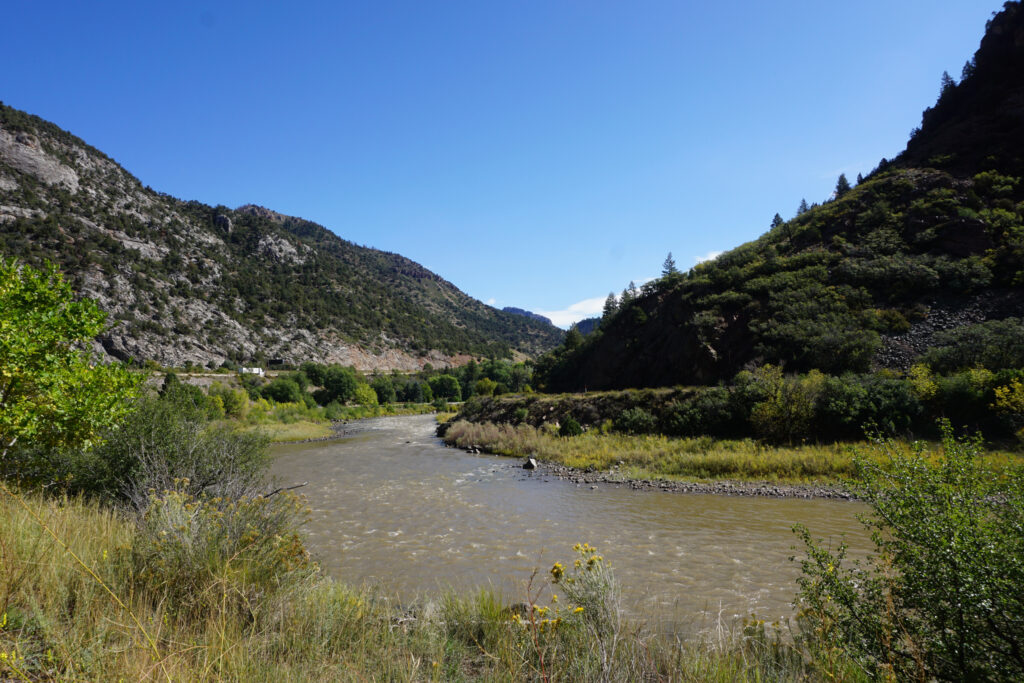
{"x": 535, "y": 154}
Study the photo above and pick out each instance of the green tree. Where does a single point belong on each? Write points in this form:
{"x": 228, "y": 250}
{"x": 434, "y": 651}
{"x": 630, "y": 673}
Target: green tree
{"x": 445, "y": 387}
{"x": 941, "y": 597}
{"x": 384, "y": 388}
{"x": 803, "y": 208}
{"x": 53, "y": 392}
{"x": 611, "y": 305}
{"x": 365, "y": 395}
{"x": 777, "y": 221}
{"x": 668, "y": 268}
{"x": 485, "y": 387}
{"x": 339, "y": 384}
{"x": 842, "y": 185}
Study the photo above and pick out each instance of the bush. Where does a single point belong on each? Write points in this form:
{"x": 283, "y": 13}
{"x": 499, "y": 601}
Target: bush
{"x": 636, "y": 421}
{"x": 168, "y": 439}
{"x": 193, "y": 550}
{"x": 995, "y": 345}
{"x": 941, "y": 597}
{"x": 570, "y": 427}
{"x": 283, "y": 391}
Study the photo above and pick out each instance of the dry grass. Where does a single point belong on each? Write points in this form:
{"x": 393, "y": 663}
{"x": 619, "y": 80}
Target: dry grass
{"x": 655, "y": 456}
{"x": 59, "y": 621}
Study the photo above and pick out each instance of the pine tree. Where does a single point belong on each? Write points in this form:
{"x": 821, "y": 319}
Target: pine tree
{"x": 947, "y": 85}
{"x": 777, "y": 221}
{"x": 860, "y": 179}
{"x": 842, "y": 185}
{"x": 668, "y": 268}
{"x": 611, "y": 305}
{"x": 968, "y": 70}
{"x": 803, "y": 208}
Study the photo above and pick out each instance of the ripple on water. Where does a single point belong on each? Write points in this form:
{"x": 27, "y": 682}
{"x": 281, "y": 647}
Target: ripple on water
{"x": 681, "y": 559}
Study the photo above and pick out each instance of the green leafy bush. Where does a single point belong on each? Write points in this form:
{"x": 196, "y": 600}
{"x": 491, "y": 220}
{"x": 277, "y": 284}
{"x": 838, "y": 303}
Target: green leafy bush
{"x": 570, "y": 427}
{"x": 635, "y": 421}
{"x": 941, "y": 598}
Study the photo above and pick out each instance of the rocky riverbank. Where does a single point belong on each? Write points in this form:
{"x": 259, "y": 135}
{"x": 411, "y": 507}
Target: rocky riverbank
{"x": 719, "y": 488}
{"x": 596, "y": 478}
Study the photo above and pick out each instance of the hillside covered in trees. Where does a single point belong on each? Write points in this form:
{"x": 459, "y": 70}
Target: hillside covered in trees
{"x": 923, "y": 256}
{"x": 189, "y": 283}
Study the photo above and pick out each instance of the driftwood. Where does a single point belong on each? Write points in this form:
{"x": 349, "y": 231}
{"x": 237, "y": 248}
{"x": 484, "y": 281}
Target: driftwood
{"x": 284, "y": 488}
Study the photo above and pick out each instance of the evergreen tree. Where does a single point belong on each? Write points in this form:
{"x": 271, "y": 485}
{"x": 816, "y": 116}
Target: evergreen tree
{"x": 611, "y": 305}
{"x": 842, "y": 185}
{"x": 860, "y": 179}
{"x": 777, "y": 221}
{"x": 968, "y": 70}
{"x": 803, "y": 208}
{"x": 668, "y": 268}
{"x": 947, "y": 85}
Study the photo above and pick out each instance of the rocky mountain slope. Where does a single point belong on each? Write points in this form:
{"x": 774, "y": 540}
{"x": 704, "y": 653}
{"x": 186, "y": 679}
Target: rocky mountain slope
{"x": 187, "y": 282}
{"x": 930, "y": 241}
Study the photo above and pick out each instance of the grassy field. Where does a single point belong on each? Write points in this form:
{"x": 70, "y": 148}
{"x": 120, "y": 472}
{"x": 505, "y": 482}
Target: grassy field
{"x": 284, "y": 422}
{"x": 82, "y": 597}
{"x": 662, "y": 457}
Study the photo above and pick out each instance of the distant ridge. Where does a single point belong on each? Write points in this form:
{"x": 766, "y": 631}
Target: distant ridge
{"x": 185, "y": 282}
{"x": 527, "y": 314}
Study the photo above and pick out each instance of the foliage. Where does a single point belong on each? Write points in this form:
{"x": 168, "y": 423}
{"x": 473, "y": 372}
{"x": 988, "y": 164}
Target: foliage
{"x": 942, "y": 596}
{"x": 636, "y": 421}
{"x": 570, "y": 427}
{"x": 364, "y": 395}
{"x": 169, "y": 439}
{"x": 445, "y": 387}
{"x": 52, "y": 392}
{"x": 189, "y": 550}
{"x": 283, "y": 391}
{"x": 995, "y": 344}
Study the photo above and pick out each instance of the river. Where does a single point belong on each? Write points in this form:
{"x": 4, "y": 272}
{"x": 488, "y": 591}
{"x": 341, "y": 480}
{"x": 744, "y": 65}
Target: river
{"x": 392, "y": 506}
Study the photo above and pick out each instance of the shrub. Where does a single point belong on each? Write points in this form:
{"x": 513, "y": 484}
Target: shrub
{"x": 635, "y": 421}
{"x": 283, "y": 391}
{"x": 995, "y": 344}
{"x": 192, "y": 550}
{"x": 941, "y": 597}
{"x": 570, "y": 427}
{"x": 168, "y": 439}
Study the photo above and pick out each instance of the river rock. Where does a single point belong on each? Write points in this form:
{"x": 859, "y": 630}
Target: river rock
{"x": 530, "y": 464}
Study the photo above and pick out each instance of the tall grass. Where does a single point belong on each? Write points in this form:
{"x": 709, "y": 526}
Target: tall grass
{"x": 59, "y": 622}
{"x": 656, "y": 456}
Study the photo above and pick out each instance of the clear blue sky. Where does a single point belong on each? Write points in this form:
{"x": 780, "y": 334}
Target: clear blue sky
{"x": 536, "y": 154}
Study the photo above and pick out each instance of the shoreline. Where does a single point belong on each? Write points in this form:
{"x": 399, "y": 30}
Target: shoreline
{"x": 724, "y": 487}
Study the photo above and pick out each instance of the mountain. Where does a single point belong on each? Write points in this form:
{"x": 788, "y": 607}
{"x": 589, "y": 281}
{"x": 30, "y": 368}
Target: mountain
{"x": 186, "y": 282}
{"x": 587, "y": 325}
{"x": 527, "y": 314}
{"x": 929, "y": 242}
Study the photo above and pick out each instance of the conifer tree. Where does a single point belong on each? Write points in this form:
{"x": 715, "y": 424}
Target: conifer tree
{"x": 611, "y": 305}
{"x": 803, "y": 208}
{"x": 777, "y": 221}
{"x": 947, "y": 84}
{"x": 668, "y": 268}
{"x": 842, "y": 185}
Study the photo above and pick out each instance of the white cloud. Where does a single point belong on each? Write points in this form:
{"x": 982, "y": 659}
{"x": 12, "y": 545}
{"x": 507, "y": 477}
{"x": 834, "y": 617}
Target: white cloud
{"x": 710, "y": 256}
{"x": 588, "y": 308}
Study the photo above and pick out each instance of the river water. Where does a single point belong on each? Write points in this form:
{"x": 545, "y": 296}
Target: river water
{"x": 393, "y": 506}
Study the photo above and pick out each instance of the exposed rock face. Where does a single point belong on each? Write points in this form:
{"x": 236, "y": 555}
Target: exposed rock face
{"x": 23, "y": 152}
{"x": 188, "y": 283}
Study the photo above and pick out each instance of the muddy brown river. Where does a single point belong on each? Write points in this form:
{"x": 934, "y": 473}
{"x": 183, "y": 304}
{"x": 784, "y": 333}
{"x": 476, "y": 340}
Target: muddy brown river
{"x": 392, "y": 506}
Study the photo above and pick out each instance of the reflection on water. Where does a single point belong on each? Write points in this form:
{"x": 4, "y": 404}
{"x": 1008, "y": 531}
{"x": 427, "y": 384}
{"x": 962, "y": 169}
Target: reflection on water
{"x": 394, "y": 506}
